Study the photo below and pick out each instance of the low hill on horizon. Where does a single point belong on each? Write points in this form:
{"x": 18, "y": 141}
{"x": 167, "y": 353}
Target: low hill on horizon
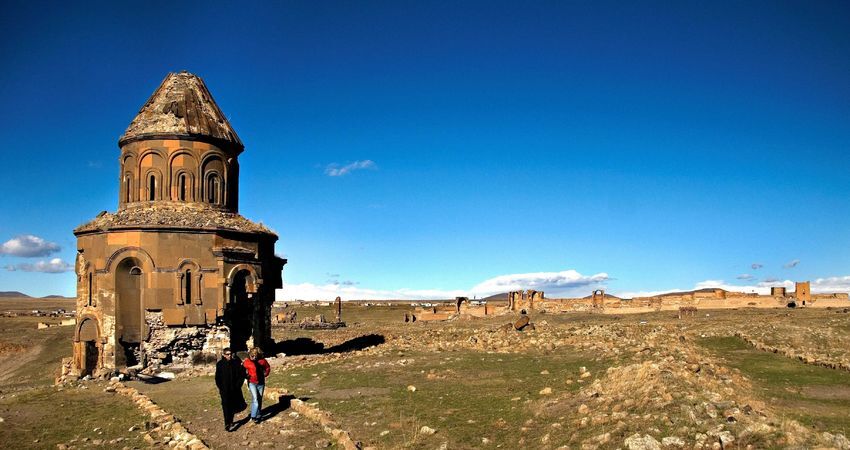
{"x": 17, "y": 294}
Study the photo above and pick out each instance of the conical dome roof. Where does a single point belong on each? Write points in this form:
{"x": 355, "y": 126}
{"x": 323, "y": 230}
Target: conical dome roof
{"x": 182, "y": 108}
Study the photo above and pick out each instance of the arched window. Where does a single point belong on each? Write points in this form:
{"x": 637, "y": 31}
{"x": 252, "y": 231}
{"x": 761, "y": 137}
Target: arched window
{"x": 151, "y": 187}
{"x": 128, "y": 188}
{"x": 214, "y": 189}
{"x": 181, "y": 187}
{"x": 135, "y": 270}
{"x": 187, "y": 287}
{"x": 90, "y": 286}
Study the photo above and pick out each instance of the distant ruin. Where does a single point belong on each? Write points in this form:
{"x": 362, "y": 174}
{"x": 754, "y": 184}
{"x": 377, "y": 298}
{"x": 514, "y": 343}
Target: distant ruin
{"x": 524, "y": 300}
{"x": 176, "y": 272}
{"x": 320, "y": 323}
{"x": 803, "y": 292}
{"x": 709, "y": 298}
{"x": 597, "y": 298}
{"x": 686, "y": 304}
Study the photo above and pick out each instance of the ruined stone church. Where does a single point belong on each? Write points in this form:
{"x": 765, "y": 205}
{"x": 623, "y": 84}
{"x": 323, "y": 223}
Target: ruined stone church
{"x": 176, "y": 271}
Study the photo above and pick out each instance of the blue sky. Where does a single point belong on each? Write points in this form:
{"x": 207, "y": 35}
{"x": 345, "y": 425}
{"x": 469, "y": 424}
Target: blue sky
{"x": 562, "y": 146}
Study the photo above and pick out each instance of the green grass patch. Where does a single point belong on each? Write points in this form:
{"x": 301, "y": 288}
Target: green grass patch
{"x": 465, "y": 396}
{"x": 815, "y": 396}
{"x": 44, "y": 417}
{"x": 39, "y": 361}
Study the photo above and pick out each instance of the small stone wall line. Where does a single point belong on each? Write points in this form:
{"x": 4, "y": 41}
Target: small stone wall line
{"x": 790, "y": 353}
{"x": 166, "y": 424}
{"x": 316, "y": 415}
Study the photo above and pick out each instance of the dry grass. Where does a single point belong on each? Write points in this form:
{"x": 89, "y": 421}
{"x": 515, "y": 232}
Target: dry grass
{"x": 650, "y": 374}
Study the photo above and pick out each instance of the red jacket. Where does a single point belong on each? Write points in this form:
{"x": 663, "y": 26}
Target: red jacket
{"x": 255, "y": 376}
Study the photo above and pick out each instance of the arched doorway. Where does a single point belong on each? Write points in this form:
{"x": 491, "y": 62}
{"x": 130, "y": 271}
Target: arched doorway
{"x": 128, "y": 312}
{"x": 239, "y": 314}
{"x": 88, "y": 337}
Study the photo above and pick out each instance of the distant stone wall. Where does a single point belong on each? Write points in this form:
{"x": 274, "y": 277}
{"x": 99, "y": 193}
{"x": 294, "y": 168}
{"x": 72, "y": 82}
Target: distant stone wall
{"x": 717, "y": 299}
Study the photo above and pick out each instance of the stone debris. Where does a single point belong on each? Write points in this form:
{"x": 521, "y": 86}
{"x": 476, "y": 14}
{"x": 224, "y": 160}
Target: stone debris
{"x": 165, "y": 430}
{"x": 651, "y": 389}
{"x": 319, "y": 323}
{"x": 805, "y": 352}
{"x": 647, "y": 442}
{"x": 172, "y": 215}
{"x": 178, "y": 345}
{"x": 316, "y": 415}
{"x": 673, "y": 441}
{"x": 652, "y": 371}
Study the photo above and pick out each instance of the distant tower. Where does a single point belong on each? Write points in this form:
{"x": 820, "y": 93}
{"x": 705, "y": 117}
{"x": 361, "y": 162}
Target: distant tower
{"x": 803, "y": 292}
{"x": 176, "y": 253}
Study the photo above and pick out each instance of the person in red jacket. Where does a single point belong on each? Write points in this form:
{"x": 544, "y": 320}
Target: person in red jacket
{"x": 257, "y": 369}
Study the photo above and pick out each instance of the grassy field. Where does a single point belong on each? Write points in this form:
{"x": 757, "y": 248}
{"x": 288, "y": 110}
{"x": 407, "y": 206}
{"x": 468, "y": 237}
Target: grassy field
{"x": 44, "y": 417}
{"x": 36, "y": 414}
{"x": 475, "y": 386}
{"x": 31, "y": 357}
{"x": 470, "y": 398}
{"x": 816, "y": 396}
{"x": 29, "y": 304}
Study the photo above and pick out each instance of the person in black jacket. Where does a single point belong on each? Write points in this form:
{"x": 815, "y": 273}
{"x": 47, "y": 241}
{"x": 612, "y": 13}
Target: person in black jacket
{"x": 229, "y": 376}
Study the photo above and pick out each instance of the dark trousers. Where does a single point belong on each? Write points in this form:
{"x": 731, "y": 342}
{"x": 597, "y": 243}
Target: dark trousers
{"x": 228, "y": 410}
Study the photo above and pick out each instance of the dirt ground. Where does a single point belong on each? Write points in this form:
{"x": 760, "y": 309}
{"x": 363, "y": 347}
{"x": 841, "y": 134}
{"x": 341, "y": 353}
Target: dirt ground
{"x": 577, "y": 381}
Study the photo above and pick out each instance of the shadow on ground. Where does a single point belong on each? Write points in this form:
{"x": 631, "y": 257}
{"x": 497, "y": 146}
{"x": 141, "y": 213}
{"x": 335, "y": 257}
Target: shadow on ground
{"x": 307, "y": 346}
{"x": 283, "y": 403}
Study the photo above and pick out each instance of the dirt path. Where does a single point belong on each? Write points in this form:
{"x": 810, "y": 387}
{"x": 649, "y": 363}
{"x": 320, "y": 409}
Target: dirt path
{"x": 195, "y": 402}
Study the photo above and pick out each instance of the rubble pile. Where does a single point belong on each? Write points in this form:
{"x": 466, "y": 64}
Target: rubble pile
{"x": 169, "y": 345}
{"x": 663, "y": 393}
{"x": 319, "y": 323}
{"x": 661, "y": 390}
{"x": 172, "y": 215}
{"x": 827, "y": 345}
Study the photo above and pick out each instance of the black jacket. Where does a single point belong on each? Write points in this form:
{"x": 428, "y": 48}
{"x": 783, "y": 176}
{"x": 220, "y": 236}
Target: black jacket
{"x": 229, "y": 376}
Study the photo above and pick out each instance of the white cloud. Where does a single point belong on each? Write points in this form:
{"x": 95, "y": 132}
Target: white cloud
{"x": 762, "y": 287}
{"x": 832, "y": 284}
{"x": 791, "y": 264}
{"x": 55, "y": 265}
{"x": 745, "y": 276}
{"x": 329, "y": 291}
{"x": 568, "y": 282}
{"x": 335, "y": 170}
{"x": 555, "y": 283}
{"x": 28, "y": 246}
{"x": 633, "y": 294}
{"x": 820, "y": 285}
